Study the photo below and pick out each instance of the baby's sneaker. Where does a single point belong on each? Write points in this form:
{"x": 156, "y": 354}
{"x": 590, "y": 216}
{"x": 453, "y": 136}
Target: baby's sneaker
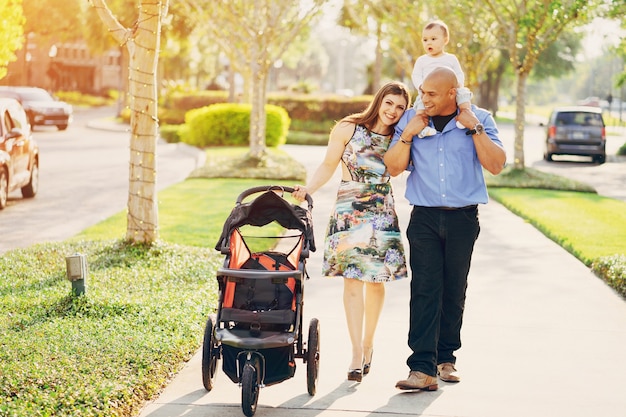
{"x": 459, "y": 125}
{"x": 427, "y": 131}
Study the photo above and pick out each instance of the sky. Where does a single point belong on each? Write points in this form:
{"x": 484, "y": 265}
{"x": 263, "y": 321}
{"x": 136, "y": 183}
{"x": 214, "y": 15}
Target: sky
{"x": 601, "y": 34}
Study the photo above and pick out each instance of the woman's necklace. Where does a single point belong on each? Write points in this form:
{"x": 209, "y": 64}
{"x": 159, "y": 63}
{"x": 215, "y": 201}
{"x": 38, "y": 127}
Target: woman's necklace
{"x": 385, "y": 127}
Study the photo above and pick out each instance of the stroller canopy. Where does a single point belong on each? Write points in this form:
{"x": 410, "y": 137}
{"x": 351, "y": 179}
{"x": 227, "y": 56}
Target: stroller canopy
{"x": 266, "y": 208}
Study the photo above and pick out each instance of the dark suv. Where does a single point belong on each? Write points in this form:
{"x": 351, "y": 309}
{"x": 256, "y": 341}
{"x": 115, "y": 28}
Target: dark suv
{"x": 41, "y": 107}
{"x": 576, "y": 130}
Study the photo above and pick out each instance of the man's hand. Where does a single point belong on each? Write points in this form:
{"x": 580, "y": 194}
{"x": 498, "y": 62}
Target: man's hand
{"x": 467, "y": 118}
{"x": 415, "y": 125}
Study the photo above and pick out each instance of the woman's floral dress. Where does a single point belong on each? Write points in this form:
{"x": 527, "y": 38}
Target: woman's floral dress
{"x": 363, "y": 240}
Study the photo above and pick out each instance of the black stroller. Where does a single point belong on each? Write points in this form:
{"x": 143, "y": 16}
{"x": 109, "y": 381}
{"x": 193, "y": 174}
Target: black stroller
{"x": 257, "y": 329}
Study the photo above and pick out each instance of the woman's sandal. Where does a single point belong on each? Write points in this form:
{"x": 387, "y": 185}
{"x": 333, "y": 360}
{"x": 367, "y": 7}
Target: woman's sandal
{"x": 367, "y": 366}
{"x": 355, "y": 375}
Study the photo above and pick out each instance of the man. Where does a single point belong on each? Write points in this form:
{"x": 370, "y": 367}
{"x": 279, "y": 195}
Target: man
{"x": 444, "y": 186}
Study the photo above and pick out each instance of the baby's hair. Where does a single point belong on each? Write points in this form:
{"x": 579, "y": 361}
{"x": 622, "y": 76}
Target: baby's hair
{"x": 441, "y": 24}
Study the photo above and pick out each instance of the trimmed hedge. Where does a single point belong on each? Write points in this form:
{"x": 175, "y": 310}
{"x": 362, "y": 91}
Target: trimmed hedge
{"x": 314, "y": 108}
{"x": 170, "y": 133}
{"x": 305, "y": 110}
{"x": 175, "y": 105}
{"x": 229, "y": 124}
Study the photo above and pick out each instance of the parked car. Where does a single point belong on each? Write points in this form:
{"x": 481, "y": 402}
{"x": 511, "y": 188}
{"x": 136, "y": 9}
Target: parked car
{"x": 593, "y": 102}
{"x": 19, "y": 153}
{"x": 576, "y": 130}
{"x": 41, "y": 107}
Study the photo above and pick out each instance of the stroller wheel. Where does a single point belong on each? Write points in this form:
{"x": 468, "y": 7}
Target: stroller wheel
{"x": 210, "y": 353}
{"x": 313, "y": 356}
{"x": 249, "y": 389}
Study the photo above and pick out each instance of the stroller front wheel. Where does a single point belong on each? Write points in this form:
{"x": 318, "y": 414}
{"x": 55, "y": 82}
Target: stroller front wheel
{"x": 313, "y": 356}
{"x": 249, "y": 389}
{"x": 210, "y": 353}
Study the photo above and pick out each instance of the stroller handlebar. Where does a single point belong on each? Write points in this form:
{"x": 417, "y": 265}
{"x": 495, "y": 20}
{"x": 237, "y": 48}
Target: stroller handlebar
{"x": 263, "y": 188}
{"x": 259, "y": 274}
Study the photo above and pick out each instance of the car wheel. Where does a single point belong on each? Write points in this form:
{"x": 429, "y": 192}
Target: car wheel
{"x": 600, "y": 159}
{"x": 30, "y": 189}
{"x": 62, "y": 127}
{"x": 547, "y": 156}
{"x": 4, "y": 188}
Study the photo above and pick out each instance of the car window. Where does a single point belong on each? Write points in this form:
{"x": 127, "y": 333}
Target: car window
{"x": 564, "y": 119}
{"x": 18, "y": 116}
{"x": 579, "y": 119}
{"x": 593, "y": 120}
{"x": 8, "y": 122}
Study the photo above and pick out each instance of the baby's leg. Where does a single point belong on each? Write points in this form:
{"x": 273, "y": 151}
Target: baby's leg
{"x": 463, "y": 97}
{"x": 419, "y": 108}
{"x": 418, "y": 105}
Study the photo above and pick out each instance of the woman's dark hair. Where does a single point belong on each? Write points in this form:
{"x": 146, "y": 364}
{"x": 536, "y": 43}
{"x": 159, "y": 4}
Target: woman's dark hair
{"x": 369, "y": 116}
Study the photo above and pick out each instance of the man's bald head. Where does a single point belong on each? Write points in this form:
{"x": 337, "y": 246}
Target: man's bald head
{"x": 443, "y": 75}
{"x": 439, "y": 92}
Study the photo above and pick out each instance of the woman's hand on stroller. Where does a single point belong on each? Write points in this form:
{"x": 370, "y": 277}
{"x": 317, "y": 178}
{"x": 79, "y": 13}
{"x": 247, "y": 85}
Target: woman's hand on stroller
{"x": 299, "y": 193}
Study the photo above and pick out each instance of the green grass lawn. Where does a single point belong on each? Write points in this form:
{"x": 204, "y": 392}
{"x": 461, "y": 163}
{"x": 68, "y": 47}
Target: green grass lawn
{"x": 191, "y": 213}
{"x": 142, "y": 316}
{"x": 587, "y": 225}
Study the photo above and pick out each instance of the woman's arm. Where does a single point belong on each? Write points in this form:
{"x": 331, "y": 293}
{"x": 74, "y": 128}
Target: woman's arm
{"x": 339, "y": 137}
{"x": 398, "y": 155}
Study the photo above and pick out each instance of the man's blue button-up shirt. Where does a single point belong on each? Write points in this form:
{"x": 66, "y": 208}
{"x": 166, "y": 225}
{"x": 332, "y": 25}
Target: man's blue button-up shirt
{"x": 444, "y": 168}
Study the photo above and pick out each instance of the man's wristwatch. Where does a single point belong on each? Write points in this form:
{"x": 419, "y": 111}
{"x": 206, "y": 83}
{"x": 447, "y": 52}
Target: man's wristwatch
{"x": 477, "y": 130}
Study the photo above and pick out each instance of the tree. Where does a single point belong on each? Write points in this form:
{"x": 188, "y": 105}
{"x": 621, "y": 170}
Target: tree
{"x": 45, "y": 24}
{"x": 142, "y": 41}
{"x": 618, "y": 11}
{"x": 365, "y": 17}
{"x": 527, "y": 28}
{"x": 254, "y": 35}
{"x": 49, "y": 19}
{"x": 11, "y": 35}
{"x": 396, "y": 27}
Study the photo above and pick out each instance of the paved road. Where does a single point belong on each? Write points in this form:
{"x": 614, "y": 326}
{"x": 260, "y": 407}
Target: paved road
{"x": 608, "y": 179}
{"x": 83, "y": 180}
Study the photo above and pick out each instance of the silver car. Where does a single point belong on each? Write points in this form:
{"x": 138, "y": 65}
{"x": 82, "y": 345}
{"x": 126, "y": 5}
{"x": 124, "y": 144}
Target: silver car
{"x": 42, "y": 108}
{"x": 576, "y": 130}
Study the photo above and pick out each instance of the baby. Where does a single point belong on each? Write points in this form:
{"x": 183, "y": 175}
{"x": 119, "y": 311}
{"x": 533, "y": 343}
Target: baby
{"x": 435, "y": 37}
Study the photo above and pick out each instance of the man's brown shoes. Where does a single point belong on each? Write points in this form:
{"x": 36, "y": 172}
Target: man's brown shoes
{"x": 446, "y": 372}
{"x": 418, "y": 381}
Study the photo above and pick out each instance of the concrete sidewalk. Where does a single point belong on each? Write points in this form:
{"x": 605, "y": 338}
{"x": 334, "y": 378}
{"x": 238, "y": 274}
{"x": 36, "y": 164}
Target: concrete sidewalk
{"x": 542, "y": 337}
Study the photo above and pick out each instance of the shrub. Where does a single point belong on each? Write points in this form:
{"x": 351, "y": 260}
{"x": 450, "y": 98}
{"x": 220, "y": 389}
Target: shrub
{"x": 77, "y": 98}
{"x": 186, "y": 101}
{"x": 320, "y": 108}
{"x": 612, "y": 269}
{"x": 170, "y": 133}
{"x": 229, "y": 124}
{"x": 311, "y": 113}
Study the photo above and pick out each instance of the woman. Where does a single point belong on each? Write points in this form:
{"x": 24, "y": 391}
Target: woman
{"x": 363, "y": 240}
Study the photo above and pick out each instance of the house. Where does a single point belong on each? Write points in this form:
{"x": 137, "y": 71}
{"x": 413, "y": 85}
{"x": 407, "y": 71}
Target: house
{"x": 67, "y": 66}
